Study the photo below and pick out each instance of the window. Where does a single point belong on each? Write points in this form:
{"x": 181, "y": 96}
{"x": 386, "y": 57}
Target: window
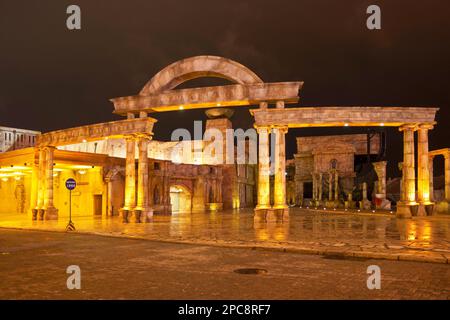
{"x": 157, "y": 166}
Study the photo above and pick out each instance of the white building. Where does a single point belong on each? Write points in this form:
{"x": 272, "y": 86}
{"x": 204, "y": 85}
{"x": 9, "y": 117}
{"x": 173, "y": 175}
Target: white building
{"x": 13, "y": 138}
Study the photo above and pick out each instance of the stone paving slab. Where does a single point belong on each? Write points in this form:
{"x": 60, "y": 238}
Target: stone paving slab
{"x": 307, "y": 231}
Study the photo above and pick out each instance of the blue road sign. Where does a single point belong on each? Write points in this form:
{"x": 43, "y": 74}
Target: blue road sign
{"x": 71, "y": 184}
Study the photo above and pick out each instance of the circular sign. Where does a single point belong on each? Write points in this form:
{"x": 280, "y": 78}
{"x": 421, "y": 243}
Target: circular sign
{"x": 71, "y": 184}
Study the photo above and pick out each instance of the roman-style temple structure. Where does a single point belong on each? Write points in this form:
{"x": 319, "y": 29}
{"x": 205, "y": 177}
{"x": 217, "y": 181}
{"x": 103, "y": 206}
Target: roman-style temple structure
{"x": 444, "y": 205}
{"x": 160, "y": 95}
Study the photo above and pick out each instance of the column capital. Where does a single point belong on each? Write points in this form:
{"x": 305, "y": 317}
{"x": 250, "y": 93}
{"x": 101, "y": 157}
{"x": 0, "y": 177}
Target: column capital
{"x": 45, "y": 148}
{"x": 281, "y": 129}
{"x": 263, "y": 105}
{"x": 143, "y": 136}
{"x": 408, "y": 127}
{"x": 262, "y": 129}
{"x": 426, "y": 126}
{"x": 380, "y": 163}
{"x": 129, "y": 137}
{"x": 280, "y": 104}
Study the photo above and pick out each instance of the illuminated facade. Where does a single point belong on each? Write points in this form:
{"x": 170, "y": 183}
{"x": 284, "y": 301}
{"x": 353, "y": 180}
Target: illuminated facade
{"x": 14, "y": 138}
{"x": 122, "y": 170}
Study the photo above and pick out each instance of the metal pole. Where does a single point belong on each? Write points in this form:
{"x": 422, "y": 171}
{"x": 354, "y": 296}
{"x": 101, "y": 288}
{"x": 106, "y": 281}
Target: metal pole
{"x": 70, "y": 205}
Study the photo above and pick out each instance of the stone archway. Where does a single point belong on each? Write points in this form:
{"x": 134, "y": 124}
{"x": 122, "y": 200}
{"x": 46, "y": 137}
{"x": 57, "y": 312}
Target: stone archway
{"x": 180, "y": 198}
{"x": 196, "y": 67}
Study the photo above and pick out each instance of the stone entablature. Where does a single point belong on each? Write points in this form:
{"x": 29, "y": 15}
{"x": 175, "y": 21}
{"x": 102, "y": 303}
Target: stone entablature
{"x": 113, "y": 129}
{"x": 343, "y": 116}
{"x": 208, "y": 97}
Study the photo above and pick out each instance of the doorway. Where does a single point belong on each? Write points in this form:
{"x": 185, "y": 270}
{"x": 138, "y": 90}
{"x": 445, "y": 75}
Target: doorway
{"x": 180, "y": 198}
{"x": 98, "y": 201}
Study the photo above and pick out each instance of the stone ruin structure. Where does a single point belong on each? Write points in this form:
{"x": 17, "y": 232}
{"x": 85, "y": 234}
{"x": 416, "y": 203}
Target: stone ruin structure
{"x": 326, "y": 165}
{"x": 133, "y": 175}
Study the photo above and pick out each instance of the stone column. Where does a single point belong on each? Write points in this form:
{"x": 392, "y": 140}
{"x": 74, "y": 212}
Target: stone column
{"x": 299, "y": 190}
{"x": 431, "y": 170}
{"x": 409, "y": 175}
{"x": 41, "y": 184}
{"x": 130, "y": 178}
{"x": 34, "y": 189}
{"x": 364, "y": 192}
{"x": 314, "y": 187}
{"x": 408, "y": 184}
{"x": 447, "y": 176}
{"x": 280, "y": 169}
{"x": 330, "y": 186}
{"x": 142, "y": 212}
{"x": 320, "y": 187}
{"x": 263, "y": 169}
{"x": 423, "y": 173}
{"x": 51, "y": 213}
{"x": 109, "y": 205}
{"x": 336, "y": 186}
{"x": 380, "y": 169}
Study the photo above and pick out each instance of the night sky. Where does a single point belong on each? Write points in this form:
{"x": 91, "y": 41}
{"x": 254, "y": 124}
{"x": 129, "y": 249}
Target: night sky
{"x": 52, "y": 78}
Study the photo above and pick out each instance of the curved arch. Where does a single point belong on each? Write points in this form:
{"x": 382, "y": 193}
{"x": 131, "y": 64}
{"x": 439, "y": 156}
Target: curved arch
{"x": 197, "y": 67}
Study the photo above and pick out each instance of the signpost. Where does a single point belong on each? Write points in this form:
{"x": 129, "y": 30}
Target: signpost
{"x": 70, "y": 185}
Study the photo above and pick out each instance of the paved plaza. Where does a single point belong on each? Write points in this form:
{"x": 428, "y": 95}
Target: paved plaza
{"x": 33, "y": 266}
{"x": 307, "y": 231}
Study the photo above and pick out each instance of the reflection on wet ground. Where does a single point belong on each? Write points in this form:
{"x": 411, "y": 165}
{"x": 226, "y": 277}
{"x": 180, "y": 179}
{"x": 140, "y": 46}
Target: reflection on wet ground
{"x": 303, "y": 226}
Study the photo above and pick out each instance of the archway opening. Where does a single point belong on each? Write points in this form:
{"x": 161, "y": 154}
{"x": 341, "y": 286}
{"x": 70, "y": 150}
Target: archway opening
{"x": 180, "y": 199}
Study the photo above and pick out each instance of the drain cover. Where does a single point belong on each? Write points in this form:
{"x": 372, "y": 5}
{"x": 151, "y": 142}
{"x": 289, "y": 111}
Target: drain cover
{"x": 250, "y": 271}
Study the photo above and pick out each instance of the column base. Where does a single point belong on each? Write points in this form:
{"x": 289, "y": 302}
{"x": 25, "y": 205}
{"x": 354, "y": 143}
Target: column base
{"x": 332, "y": 204}
{"x": 272, "y": 214}
{"x": 143, "y": 215}
{"x": 51, "y": 213}
{"x": 382, "y": 204}
{"x": 34, "y": 214}
{"x": 350, "y": 204}
{"x": 406, "y": 211}
{"x": 425, "y": 209}
{"x": 41, "y": 214}
{"x": 365, "y": 205}
{"x": 124, "y": 213}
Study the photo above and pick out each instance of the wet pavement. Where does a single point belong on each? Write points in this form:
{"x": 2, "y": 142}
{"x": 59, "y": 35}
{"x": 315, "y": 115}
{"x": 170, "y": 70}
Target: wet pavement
{"x": 306, "y": 231}
{"x": 33, "y": 265}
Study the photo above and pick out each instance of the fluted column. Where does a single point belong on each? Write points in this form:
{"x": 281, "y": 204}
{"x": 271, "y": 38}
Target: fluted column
{"x": 320, "y": 187}
{"x": 314, "y": 186}
{"x": 431, "y": 170}
{"x": 330, "y": 186}
{"x": 336, "y": 185}
{"x": 130, "y": 174}
{"x": 423, "y": 172}
{"x": 409, "y": 175}
{"x": 142, "y": 190}
{"x": 447, "y": 176}
{"x": 41, "y": 182}
{"x": 263, "y": 169}
{"x": 280, "y": 168}
{"x": 51, "y": 213}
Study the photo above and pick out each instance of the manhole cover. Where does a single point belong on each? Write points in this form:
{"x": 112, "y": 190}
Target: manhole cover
{"x": 342, "y": 257}
{"x": 250, "y": 271}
